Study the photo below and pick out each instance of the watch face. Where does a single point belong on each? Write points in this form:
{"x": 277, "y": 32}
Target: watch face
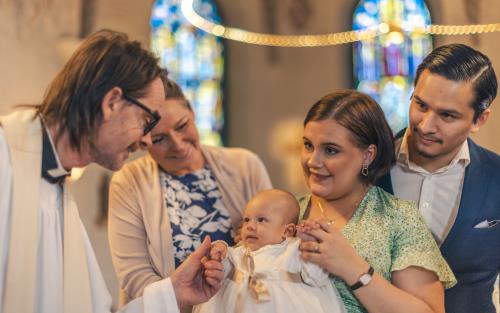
{"x": 365, "y": 279}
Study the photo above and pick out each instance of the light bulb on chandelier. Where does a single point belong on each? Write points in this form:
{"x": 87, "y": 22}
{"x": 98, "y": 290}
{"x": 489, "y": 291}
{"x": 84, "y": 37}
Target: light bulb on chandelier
{"x": 330, "y": 39}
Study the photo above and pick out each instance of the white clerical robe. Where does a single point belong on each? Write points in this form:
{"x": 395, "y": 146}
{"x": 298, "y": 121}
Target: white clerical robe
{"x": 49, "y": 286}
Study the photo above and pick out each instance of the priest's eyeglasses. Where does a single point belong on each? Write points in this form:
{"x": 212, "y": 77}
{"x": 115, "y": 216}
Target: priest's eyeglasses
{"x": 155, "y": 117}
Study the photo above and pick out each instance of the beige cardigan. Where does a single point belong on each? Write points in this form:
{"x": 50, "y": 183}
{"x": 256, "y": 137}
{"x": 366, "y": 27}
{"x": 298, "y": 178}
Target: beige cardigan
{"x": 139, "y": 228}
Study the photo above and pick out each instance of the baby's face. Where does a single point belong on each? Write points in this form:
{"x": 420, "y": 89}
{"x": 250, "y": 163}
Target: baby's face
{"x": 263, "y": 223}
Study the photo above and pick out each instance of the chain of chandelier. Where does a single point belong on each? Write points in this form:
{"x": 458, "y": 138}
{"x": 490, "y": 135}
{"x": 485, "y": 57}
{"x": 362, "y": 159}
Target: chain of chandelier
{"x": 330, "y": 39}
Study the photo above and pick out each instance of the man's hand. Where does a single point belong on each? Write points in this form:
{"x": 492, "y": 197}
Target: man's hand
{"x": 197, "y": 279}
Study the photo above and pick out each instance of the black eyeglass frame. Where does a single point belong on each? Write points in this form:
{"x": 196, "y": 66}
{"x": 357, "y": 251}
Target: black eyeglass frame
{"x": 156, "y": 116}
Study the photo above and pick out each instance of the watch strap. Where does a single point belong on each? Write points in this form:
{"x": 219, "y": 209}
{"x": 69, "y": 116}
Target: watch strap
{"x": 359, "y": 283}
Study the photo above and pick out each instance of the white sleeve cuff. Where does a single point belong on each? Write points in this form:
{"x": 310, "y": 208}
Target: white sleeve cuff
{"x": 220, "y": 241}
{"x": 160, "y": 297}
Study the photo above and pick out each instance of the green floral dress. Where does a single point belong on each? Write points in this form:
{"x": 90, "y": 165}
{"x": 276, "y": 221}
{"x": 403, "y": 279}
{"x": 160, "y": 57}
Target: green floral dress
{"x": 390, "y": 234}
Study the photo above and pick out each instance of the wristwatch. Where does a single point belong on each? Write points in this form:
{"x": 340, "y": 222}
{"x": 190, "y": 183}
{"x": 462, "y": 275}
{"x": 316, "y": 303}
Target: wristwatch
{"x": 363, "y": 280}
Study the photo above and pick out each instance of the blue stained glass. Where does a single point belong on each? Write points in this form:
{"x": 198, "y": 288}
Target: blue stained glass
{"x": 194, "y": 60}
{"x": 384, "y": 67}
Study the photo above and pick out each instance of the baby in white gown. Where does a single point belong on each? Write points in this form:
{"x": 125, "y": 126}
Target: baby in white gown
{"x": 266, "y": 273}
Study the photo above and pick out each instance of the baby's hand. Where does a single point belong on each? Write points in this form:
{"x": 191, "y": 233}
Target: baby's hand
{"x": 218, "y": 251}
{"x": 304, "y": 227}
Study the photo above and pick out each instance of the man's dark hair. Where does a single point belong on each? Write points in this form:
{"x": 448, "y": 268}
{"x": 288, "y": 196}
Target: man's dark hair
{"x": 365, "y": 121}
{"x": 106, "y": 59}
{"x": 461, "y": 63}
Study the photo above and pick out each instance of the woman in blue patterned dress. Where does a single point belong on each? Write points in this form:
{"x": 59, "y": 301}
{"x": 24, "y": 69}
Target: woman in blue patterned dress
{"x": 163, "y": 204}
{"x": 379, "y": 253}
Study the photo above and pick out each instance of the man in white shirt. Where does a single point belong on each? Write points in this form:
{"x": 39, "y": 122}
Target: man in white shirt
{"x": 455, "y": 182}
{"x": 99, "y": 108}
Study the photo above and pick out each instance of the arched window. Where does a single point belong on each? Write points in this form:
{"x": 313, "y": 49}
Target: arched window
{"x": 194, "y": 60}
{"x": 384, "y": 67}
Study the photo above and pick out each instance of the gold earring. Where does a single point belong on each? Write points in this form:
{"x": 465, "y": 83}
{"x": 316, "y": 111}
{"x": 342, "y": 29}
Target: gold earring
{"x": 364, "y": 170}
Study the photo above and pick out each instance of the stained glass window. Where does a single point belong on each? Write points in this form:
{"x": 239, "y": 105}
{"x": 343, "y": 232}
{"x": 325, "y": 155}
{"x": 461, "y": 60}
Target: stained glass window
{"x": 194, "y": 60}
{"x": 384, "y": 67}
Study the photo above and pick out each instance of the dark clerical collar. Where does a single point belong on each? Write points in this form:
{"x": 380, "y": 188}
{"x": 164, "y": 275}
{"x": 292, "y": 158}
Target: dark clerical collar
{"x": 52, "y": 170}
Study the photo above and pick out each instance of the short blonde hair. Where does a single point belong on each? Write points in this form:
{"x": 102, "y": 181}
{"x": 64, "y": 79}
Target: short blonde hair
{"x": 284, "y": 200}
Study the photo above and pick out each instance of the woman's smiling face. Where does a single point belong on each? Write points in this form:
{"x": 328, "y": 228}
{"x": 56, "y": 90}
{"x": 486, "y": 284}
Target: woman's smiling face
{"x": 331, "y": 161}
{"x": 176, "y": 143}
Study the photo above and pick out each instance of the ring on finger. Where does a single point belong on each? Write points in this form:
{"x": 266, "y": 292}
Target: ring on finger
{"x": 316, "y": 249}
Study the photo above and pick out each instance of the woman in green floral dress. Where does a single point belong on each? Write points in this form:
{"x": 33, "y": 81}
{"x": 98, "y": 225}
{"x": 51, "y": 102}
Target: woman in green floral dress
{"x": 380, "y": 254}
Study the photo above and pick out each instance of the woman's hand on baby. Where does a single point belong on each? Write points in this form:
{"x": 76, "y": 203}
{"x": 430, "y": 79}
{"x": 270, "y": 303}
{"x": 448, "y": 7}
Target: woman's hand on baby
{"x": 331, "y": 250}
{"x": 304, "y": 227}
{"x": 218, "y": 251}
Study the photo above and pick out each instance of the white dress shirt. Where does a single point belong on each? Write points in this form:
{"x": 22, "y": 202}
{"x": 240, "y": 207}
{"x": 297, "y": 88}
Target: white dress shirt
{"x": 437, "y": 194}
{"x": 158, "y": 297}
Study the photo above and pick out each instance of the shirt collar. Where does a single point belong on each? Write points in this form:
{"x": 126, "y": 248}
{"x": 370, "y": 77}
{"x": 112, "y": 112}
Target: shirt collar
{"x": 403, "y": 156}
{"x": 52, "y": 169}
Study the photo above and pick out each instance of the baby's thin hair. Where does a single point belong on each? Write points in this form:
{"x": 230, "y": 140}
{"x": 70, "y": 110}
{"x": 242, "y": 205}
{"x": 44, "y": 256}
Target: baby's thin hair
{"x": 293, "y": 209}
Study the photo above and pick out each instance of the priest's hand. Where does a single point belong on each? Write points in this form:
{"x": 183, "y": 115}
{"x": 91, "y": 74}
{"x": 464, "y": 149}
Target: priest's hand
{"x": 198, "y": 278}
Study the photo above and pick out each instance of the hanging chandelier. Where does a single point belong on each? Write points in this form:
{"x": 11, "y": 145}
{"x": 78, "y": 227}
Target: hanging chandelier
{"x": 319, "y": 40}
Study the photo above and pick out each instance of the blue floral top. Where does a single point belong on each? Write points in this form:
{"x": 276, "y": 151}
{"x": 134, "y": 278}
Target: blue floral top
{"x": 195, "y": 209}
